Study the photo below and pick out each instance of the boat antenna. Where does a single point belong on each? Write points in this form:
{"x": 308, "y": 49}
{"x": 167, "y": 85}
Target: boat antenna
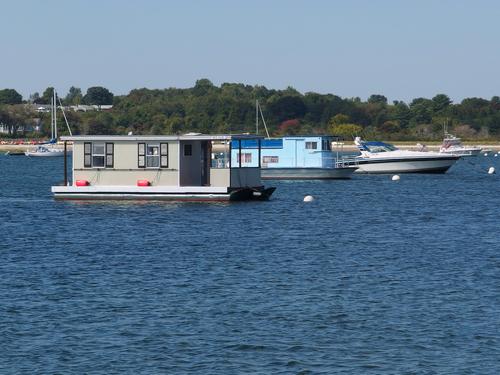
{"x": 259, "y": 109}
{"x": 65, "y": 119}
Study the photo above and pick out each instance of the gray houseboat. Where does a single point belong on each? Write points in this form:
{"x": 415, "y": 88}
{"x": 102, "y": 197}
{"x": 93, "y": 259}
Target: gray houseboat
{"x": 185, "y": 167}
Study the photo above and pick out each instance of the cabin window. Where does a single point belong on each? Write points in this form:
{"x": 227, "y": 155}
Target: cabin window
{"x": 98, "y": 154}
{"x": 188, "y": 150}
{"x": 327, "y": 145}
{"x": 153, "y": 156}
{"x": 270, "y": 159}
{"x": 245, "y": 158}
{"x": 311, "y": 145}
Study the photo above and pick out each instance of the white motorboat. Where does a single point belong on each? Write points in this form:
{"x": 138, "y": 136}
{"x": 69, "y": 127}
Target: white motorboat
{"x": 453, "y": 145}
{"x": 50, "y": 149}
{"x": 381, "y": 157}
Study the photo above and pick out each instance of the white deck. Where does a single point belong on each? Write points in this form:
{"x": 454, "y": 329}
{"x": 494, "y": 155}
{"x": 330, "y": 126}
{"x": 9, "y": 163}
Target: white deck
{"x": 132, "y": 189}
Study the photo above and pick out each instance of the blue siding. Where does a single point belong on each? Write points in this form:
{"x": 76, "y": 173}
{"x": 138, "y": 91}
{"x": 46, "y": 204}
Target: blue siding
{"x": 286, "y": 152}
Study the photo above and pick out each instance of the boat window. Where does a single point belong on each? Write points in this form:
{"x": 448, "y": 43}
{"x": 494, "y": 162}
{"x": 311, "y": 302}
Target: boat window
{"x": 270, "y": 159}
{"x": 98, "y": 154}
{"x": 153, "y": 156}
{"x": 327, "y": 145}
{"x": 311, "y": 145}
{"x": 380, "y": 147}
{"x": 188, "y": 150}
{"x": 246, "y": 158}
{"x": 219, "y": 157}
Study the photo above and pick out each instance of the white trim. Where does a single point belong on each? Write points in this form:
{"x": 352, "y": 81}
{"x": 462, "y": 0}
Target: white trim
{"x": 98, "y": 155}
{"x": 153, "y": 144}
{"x": 120, "y": 196}
{"x": 157, "y": 138}
{"x": 139, "y": 189}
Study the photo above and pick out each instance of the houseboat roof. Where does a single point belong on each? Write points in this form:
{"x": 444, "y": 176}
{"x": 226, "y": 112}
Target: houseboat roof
{"x": 184, "y": 137}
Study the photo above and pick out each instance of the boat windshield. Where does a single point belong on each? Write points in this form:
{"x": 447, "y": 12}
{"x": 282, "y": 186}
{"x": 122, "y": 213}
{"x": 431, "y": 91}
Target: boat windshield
{"x": 379, "y": 147}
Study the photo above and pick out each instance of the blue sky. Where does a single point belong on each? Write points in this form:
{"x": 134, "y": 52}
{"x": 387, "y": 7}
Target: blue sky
{"x": 401, "y": 49}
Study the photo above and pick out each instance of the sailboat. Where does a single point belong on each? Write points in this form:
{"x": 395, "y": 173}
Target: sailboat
{"x": 49, "y": 148}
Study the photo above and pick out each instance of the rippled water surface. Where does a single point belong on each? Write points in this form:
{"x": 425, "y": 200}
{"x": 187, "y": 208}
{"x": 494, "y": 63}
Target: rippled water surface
{"x": 373, "y": 277}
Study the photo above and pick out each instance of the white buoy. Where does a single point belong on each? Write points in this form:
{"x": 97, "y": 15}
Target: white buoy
{"x": 395, "y": 178}
{"x": 485, "y": 154}
{"x": 308, "y": 198}
{"x": 491, "y": 170}
{"x": 496, "y": 155}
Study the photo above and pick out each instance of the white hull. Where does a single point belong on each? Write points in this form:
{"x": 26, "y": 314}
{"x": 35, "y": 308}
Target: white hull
{"x": 462, "y": 151}
{"x": 306, "y": 173}
{"x": 432, "y": 165}
{"x": 155, "y": 193}
{"x": 44, "y": 154}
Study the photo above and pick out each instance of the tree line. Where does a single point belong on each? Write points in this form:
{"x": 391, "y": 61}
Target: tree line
{"x": 230, "y": 108}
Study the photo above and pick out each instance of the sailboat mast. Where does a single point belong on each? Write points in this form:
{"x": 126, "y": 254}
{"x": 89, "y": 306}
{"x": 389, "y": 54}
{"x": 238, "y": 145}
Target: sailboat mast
{"x": 55, "y": 116}
{"x": 257, "y": 117}
{"x": 263, "y": 120}
{"x": 52, "y": 118}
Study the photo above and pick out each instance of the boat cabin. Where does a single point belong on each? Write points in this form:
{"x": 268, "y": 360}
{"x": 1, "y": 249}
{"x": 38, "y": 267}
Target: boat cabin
{"x": 195, "y": 167}
{"x": 289, "y": 152}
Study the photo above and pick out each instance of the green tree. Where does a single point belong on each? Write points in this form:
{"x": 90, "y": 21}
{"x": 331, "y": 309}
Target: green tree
{"x": 402, "y": 114}
{"x": 346, "y": 131}
{"x": 74, "y": 96}
{"x": 339, "y": 119}
{"x": 15, "y": 117}
{"x": 377, "y": 99}
{"x": 421, "y": 110}
{"x": 203, "y": 87}
{"x": 10, "y": 96}
{"x": 440, "y": 102}
{"x": 46, "y": 96}
{"x": 98, "y": 96}
{"x": 389, "y": 127}
{"x": 35, "y": 97}
{"x": 101, "y": 124}
{"x": 287, "y": 107}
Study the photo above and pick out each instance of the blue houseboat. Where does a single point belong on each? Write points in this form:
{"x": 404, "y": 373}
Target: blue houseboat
{"x": 294, "y": 157}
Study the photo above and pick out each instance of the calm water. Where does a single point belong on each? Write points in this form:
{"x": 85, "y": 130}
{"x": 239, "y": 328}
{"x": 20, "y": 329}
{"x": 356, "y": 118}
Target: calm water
{"x": 374, "y": 277}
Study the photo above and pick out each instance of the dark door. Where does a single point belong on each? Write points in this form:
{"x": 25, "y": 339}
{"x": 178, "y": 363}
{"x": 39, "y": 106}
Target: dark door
{"x": 205, "y": 163}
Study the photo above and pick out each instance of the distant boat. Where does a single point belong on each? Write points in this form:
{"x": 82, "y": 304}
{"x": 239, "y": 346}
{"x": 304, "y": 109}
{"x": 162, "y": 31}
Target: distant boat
{"x": 453, "y": 145}
{"x": 49, "y": 149}
{"x": 295, "y": 158}
{"x": 381, "y": 157}
{"x": 15, "y": 153}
